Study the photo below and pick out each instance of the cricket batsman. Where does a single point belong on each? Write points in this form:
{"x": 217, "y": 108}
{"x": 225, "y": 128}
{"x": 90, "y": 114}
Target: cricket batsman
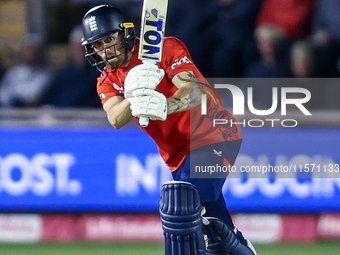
{"x": 193, "y": 211}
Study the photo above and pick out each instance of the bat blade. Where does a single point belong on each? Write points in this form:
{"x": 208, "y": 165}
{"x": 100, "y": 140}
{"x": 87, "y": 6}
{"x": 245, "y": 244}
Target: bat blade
{"x": 152, "y": 30}
{"x": 152, "y": 36}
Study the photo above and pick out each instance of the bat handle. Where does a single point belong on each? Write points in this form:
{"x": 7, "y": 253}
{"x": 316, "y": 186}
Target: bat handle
{"x": 150, "y": 62}
{"x": 144, "y": 120}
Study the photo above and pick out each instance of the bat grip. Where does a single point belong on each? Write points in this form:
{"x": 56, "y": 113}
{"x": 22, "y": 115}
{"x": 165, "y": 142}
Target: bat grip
{"x": 144, "y": 120}
{"x": 150, "y": 62}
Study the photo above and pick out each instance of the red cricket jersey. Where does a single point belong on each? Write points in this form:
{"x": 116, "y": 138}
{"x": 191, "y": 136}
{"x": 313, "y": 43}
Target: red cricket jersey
{"x": 184, "y": 131}
{"x": 295, "y": 17}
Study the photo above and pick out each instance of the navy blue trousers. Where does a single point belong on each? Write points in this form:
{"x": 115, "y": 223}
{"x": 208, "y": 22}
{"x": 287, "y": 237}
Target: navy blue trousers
{"x": 210, "y": 189}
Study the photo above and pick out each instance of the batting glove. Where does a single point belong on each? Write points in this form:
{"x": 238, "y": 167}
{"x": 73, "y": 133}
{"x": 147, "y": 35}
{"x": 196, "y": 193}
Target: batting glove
{"x": 150, "y": 103}
{"x": 143, "y": 76}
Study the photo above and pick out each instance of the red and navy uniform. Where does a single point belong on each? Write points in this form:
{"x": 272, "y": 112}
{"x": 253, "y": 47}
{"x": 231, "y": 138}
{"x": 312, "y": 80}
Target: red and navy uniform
{"x": 188, "y": 136}
{"x": 184, "y": 131}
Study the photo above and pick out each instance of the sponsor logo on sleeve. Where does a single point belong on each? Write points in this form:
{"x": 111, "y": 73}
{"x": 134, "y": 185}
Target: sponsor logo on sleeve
{"x": 180, "y": 62}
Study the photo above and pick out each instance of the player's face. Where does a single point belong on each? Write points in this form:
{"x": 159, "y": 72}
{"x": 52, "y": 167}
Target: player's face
{"x": 111, "y": 50}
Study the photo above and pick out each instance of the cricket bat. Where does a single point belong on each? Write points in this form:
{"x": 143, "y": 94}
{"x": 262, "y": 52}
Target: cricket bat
{"x": 152, "y": 36}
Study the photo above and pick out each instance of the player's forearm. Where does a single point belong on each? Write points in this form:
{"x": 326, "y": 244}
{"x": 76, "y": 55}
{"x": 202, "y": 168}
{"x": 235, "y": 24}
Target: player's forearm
{"x": 119, "y": 114}
{"x": 185, "y": 98}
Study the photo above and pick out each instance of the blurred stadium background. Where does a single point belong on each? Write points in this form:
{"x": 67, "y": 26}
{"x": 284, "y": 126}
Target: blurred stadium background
{"x": 64, "y": 190}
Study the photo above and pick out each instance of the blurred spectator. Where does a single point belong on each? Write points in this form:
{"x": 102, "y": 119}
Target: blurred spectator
{"x": 294, "y": 17}
{"x": 327, "y": 42}
{"x": 325, "y": 92}
{"x": 302, "y": 60}
{"x": 74, "y": 84}
{"x": 326, "y": 36}
{"x": 23, "y": 85}
{"x": 272, "y": 62}
{"x": 232, "y": 33}
{"x": 327, "y": 21}
{"x": 215, "y": 32}
{"x": 303, "y": 65}
{"x": 189, "y": 21}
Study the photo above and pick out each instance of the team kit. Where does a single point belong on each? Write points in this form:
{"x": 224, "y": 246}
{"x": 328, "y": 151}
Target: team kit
{"x": 153, "y": 80}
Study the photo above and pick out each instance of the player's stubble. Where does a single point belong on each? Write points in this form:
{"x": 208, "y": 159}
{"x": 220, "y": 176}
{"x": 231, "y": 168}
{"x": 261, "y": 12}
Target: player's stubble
{"x": 119, "y": 57}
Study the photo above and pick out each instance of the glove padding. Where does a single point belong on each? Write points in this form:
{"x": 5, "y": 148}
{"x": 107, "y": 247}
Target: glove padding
{"x": 143, "y": 76}
{"x": 150, "y": 103}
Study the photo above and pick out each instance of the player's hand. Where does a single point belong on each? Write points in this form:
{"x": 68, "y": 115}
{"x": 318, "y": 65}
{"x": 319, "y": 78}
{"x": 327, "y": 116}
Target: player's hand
{"x": 150, "y": 103}
{"x": 143, "y": 76}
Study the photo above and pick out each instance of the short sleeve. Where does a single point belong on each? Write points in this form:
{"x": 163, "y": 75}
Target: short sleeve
{"x": 108, "y": 86}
